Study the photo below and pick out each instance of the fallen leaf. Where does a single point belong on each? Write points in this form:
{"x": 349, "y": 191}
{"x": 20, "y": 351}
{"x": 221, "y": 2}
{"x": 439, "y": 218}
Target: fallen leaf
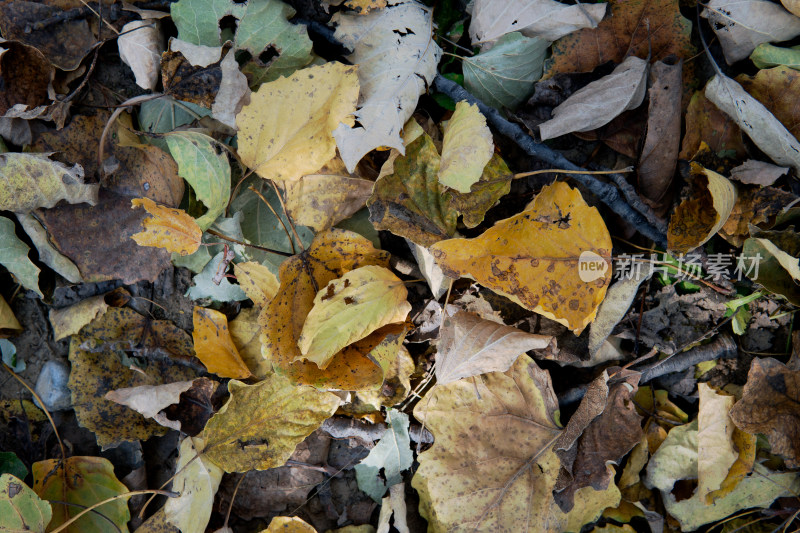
{"x": 396, "y": 58}
{"x": 194, "y": 407}
{"x": 437, "y": 281}
{"x": 495, "y": 182}
{"x": 27, "y": 74}
{"x": 81, "y": 482}
{"x": 257, "y": 281}
{"x": 767, "y": 56}
{"x": 204, "y": 165}
{"x": 385, "y": 463}
{"x": 600, "y": 101}
{"x": 140, "y": 46}
{"x": 741, "y": 25}
{"x": 9, "y": 325}
{"x": 196, "y": 480}
{"x": 260, "y": 425}
{"x": 715, "y": 449}
{"x": 774, "y": 254}
{"x": 233, "y": 93}
{"x": 48, "y": 254}
{"x": 245, "y": 332}
{"x": 204, "y": 286}
{"x": 755, "y": 120}
{"x": 34, "y": 180}
{"x": 703, "y": 214}
{"x": 14, "y": 256}
{"x": 184, "y": 81}
{"x": 326, "y": 197}
{"x": 97, "y": 369}
{"x": 20, "y": 508}
{"x": 149, "y": 400}
{"x": 71, "y": 319}
{"x": 534, "y": 258}
{"x": 214, "y": 346}
{"x": 769, "y": 406}
{"x": 466, "y": 148}
{"x": 754, "y": 206}
{"x": 198, "y": 55}
{"x": 463, "y": 487}
{"x": 546, "y": 19}
{"x": 288, "y": 524}
{"x": 660, "y": 150}
{"x": 707, "y": 124}
{"x": 770, "y": 87}
{"x": 503, "y": 76}
{"x": 411, "y": 202}
{"x": 471, "y": 346}
{"x": 171, "y": 229}
{"x": 760, "y": 173}
{"x": 287, "y": 129}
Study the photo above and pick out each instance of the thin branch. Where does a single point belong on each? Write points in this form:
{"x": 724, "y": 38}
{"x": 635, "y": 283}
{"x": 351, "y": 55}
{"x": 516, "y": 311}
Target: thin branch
{"x": 236, "y": 241}
{"x": 269, "y": 205}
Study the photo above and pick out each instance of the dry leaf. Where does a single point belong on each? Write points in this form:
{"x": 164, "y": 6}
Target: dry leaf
{"x": 706, "y": 124}
{"x": 547, "y": 19}
{"x": 755, "y": 120}
{"x": 715, "y": 451}
{"x": 31, "y": 181}
{"x": 214, "y": 346}
{"x": 754, "y": 207}
{"x": 470, "y": 346}
{"x": 257, "y": 281}
{"x": 140, "y": 45}
{"x": 196, "y": 480}
{"x": 466, "y": 148}
{"x": 149, "y": 400}
{"x": 233, "y": 93}
{"x": 396, "y": 57}
{"x": 755, "y": 172}
{"x": 168, "y": 228}
{"x": 70, "y": 320}
{"x": 289, "y": 524}
{"x": 702, "y": 215}
{"x": 8, "y": 322}
{"x": 197, "y": 54}
{"x": 286, "y": 130}
{"x": 350, "y": 308}
{"x": 535, "y": 257}
{"x": 600, "y": 101}
{"x": 741, "y": 25}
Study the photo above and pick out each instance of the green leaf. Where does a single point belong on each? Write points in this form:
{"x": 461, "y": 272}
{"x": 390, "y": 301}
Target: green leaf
{"x": 768, "y": 56}
{"x": 21, "y": 510}
{"x": 10, "y": 464}
{"x": 504, "y": 76}
{"x": 198, "y": 20}
{"x": 14, "y": 256}
{"x": 495, "y": 182}
{"x": 166, "y": 114}
{"x": 204, "y": 165}
{"x": 9, "y": 351}
{"x": 778, "y": 269}
{"x": 204, "y": 287}
{"x": 48, "y": 254}
{"x": 391, "y": 456}
{"x": 30, "y": 181}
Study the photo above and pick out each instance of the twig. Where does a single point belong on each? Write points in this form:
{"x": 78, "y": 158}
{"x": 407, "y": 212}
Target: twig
{"x": 275, "y": 213}
{"x": 608, "y": 194}
{"x": 236, "y": 241}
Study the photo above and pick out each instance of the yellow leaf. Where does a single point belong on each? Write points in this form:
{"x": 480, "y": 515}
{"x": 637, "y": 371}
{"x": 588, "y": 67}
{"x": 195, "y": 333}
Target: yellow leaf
{"x": 9, "y": 325}
{"x": 288, "y": 524}
{"x": 350, "y": 308}
{"x": 540, "y": 257}
{"x": 260, "y": 425}
{"x": 214, "y": 346}
{"x": 704, "y": 213}
{"x": 503, "y": 480}
{"x": 286, "y": 131}
{"x": 359, "y": 366}
{"x": 715, "y": 451}
{"x": 466, "y": 148}
{"x": 197, "y": 480}
{"x": 70, "y": 320}
{"x": 168, "y": 228}
{"x": 246, "y": 334}
{"x": 257, "y": 282}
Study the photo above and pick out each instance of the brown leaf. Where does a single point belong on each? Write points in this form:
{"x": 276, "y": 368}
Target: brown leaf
{"x": 754, "y": 172}
{"x": 776, "y": 89}
{"x": 706, "y": 123}
{"x": 26, "y": 75}
{"x": 196, "y": 406}
{"x": 623, "y": 134}
{"x": 770, "y": 405}
{"x": 758, "y": 206}
{"x": 661, "y": 145}
{"x": 184, "y": 81}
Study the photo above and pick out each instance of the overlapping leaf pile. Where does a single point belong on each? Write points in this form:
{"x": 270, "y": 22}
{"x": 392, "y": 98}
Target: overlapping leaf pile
{"x": 334, "y": 217}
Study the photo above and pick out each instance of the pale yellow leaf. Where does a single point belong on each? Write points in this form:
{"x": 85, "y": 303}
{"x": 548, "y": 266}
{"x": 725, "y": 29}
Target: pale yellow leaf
{"x": 715, "y": 450}
{"x": 197, "y": 480}
{"x": 288, "y": 524}
{"x": 172, "y": 229}
{"x": 286, "y": 130}
{"x": 214, "y": 346}
{"x": 257, "y": 282}
{"x": 140, "y": 45}
{"x": 466, "y": 148}
{"x": 246, "y": 333}
{"x": 70, "y": 320}
{"x": 350, "y": 308}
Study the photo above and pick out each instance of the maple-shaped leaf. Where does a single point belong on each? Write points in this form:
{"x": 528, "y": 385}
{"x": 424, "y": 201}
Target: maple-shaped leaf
{"x": 350, "y": 308}
{"x": 260, "y": 425}
{"x": 214, "y": 346}
{"x": 503, "y": 480}
{"x": 536, "y": 257}
{"x": 79, "y": 482}
{"x": 286, "y": 131}
{"x": 168, "y": 228}
{"x": 396, "y": 57}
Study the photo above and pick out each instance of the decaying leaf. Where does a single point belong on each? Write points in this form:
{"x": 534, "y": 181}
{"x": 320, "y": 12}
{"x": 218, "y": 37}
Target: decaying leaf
{"x": 82, "y": 482}
{"x": 715, "y": 448}
{"x": 70, "y": 320}
{"x": 204, "y": 286}
{"x": 755, "y": 120}
{"x": 260, "y": 425}
{"x": 774, "y": 88}
{"x": 547, "y": 19}
{"x": 350, "y": 308}
{"x": 196, "y": 480}
{"x": 772, "y": 261}
{"x": 705, "y": 124}
{"x": 535, "y": 257}
{"x": 497, "y": 483}
{"x": 755, "y": 206}
{"x": 755, "y": 172}
{"x": 9, "y": 325}
{"x": 150, "y": 400}
{"x": 140, "y": 45}
{"x": 171, "y": 229}
{"x": 470, "y": 346}
{"x": 214, "y": 346}
{"x": 14, "y": 256}
{"x": 257, "y": 282}
{"x": 287, "y": 129}
{"x": 289, "y": 524}
{"x": 741, "y": 25}
{"x": 600, "y": 101}
{"x": 495, "y": 183}
{"x": 699, "y": 217}
{"x": 20, "y": 508}
{"x": 466, "y": 148}
{"x": 766, "y": 56}
{"x": 396, "y": 57}
{"x": 48, "y": 254}
{"x": 31, "y": 181}
{"x": 385, "y": 463}
{"x": 769, "y": 406}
